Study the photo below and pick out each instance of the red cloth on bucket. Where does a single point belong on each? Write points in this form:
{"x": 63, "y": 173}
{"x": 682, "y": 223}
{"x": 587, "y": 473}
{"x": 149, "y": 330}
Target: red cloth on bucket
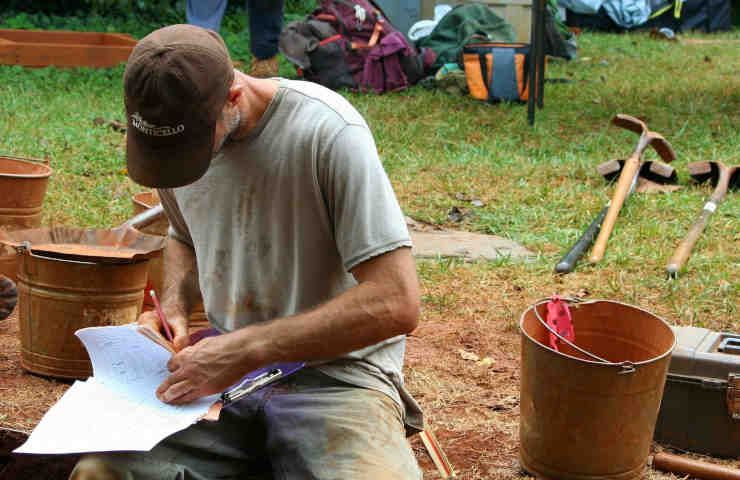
{"x": 560, "y": 320}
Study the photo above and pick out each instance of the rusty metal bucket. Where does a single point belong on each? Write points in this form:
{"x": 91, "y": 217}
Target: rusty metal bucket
{"x": 57, "y": 297}
{"x": 75, "y": 278}
{"x": 23, "y": 184}
{"x": 589, "y": 412}
{"x": 143, "y": 201}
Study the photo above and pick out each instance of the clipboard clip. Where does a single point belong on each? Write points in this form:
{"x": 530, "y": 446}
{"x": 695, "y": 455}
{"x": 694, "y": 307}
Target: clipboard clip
{"x": 249, "y": 385}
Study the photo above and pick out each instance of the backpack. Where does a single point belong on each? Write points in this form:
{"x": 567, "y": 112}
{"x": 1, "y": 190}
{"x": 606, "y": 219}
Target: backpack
{"x": 351, "y": 44}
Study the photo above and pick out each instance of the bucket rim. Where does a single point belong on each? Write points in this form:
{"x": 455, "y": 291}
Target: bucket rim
{"x": 30, "y": 161}
{"x": 75, "y": 261}
{"x": 665, "y": 354}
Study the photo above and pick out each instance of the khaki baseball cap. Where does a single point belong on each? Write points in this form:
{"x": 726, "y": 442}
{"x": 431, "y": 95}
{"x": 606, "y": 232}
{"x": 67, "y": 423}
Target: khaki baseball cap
{"x": 176, "y": 83}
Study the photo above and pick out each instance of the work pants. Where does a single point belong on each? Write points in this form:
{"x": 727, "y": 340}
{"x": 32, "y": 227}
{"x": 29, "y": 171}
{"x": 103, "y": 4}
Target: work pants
{"x": 308, "y": 426}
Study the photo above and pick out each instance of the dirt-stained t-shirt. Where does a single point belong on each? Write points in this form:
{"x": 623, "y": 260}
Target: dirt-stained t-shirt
{"x": 281, "y": 217}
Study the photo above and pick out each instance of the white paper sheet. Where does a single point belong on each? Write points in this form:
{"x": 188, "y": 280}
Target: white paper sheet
{"x": 117, "y": 408}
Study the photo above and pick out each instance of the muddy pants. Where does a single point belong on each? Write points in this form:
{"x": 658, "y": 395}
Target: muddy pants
{"x": 309, "y": 426}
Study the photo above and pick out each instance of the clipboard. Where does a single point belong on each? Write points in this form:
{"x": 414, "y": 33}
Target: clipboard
{"x": 254, "y": 380}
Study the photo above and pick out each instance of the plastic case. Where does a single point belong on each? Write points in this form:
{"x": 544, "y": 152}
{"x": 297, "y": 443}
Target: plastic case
{"x": 700, "y": 410}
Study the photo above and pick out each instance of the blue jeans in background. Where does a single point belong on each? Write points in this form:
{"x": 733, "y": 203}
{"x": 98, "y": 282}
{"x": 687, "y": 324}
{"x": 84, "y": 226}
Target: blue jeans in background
{"x": 265, "y": 22}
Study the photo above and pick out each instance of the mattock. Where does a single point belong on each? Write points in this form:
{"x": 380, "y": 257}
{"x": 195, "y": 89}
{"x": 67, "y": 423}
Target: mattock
{"x": 628, "y": 176}
{"x": 654, "y": 171}
{"x": 724, "y": 178}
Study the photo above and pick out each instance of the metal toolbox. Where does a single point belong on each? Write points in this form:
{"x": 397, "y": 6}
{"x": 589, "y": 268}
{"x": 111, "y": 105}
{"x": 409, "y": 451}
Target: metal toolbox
{"x": 700, "y": 410}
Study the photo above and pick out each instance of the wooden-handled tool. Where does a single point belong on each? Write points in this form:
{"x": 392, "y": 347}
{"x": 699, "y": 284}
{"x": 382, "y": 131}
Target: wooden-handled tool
{"x": 683, "y": 466}
{"x": 653, "y": 171}
{"x": 724, "y": 178}
{"x": 629, "y": 172}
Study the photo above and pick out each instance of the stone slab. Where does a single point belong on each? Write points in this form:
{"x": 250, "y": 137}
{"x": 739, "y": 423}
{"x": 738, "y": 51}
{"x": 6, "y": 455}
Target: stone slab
{"x": 466, "y": 245}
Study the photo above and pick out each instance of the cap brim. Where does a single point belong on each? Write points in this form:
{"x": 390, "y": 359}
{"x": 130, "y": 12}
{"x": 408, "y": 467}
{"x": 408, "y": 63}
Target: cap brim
{"x": 171, "y": 166}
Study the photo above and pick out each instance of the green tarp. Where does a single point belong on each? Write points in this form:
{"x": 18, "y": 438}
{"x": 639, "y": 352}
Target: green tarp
{"x": 463, "y": 24}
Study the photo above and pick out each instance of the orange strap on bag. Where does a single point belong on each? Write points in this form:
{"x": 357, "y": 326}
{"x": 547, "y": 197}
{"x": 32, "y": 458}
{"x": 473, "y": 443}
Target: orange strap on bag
{"x": 497, "y": 72}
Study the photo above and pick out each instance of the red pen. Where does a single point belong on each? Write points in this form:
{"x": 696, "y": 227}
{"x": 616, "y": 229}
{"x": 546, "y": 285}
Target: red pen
{"x": 160, "y": 313}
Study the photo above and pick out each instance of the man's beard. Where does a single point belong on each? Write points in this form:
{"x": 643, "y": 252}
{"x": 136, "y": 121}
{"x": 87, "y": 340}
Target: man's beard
{"x": 232, "y": 127}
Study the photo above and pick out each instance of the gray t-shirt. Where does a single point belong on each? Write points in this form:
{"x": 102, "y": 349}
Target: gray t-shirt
{"x": 280, "y": 218}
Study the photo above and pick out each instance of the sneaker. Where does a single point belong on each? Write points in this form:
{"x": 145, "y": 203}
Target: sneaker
{"x": 264, "y": 68}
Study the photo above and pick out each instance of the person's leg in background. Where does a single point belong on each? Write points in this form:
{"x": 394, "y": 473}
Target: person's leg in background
{"x": 206, "y": 13}
{"x": 265, "y": 24}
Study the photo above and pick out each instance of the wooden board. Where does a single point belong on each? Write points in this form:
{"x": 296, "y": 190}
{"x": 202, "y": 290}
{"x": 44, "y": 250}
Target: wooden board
{"x": 40, "y": 48}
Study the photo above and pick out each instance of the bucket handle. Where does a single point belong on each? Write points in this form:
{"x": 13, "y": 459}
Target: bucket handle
{"x": 25, "y": 249}
{"x": 626, "y": 367}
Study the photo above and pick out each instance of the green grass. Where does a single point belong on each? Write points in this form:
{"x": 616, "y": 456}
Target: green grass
{"x": 539, "y": 185}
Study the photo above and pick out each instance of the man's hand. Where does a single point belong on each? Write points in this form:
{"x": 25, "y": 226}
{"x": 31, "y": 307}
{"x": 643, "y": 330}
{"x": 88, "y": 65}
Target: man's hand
{"x": 177, "y": 321}
{"x": 385, "y": 303}
{"x": 8, "y": 297}
{"x": 210, "y": 366}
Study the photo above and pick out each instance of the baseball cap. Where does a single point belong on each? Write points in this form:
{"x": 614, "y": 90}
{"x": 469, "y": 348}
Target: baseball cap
{"x": 176, "y": 83}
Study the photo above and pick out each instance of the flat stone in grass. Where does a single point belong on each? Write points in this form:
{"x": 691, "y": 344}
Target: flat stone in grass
{"x": 466, "y": 245}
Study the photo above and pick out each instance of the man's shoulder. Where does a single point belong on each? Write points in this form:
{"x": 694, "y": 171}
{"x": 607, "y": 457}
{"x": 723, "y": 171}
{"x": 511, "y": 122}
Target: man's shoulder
{"x": 328, "y": 101}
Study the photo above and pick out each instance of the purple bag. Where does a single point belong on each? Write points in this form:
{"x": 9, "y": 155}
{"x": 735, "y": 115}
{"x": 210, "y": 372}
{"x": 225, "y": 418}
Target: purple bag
{"x": 358, "y": 48}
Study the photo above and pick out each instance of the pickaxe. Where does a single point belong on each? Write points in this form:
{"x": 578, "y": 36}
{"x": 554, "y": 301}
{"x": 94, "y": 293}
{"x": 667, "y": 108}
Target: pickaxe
{"x": 723, "y": 178}
{"x": 655, "y": 171}
{"x": 629, "y": 175}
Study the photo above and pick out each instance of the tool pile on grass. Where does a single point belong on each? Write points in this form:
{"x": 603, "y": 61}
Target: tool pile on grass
{"x": 628, "y": 173}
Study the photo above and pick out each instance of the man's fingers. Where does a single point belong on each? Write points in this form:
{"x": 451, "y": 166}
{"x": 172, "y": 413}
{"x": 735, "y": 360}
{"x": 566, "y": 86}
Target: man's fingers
{"x": 149, "y": 319}
{"x": 175, "y": 392}
{"x": 191, "y": 396}
{"x": 174, "y": 363}
{"x": 182, "y": 338}
{"x": 177, "y": 376}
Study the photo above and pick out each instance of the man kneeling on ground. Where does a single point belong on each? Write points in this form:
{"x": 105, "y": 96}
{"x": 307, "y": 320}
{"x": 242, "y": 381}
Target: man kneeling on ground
{"x": 281, "y": 213}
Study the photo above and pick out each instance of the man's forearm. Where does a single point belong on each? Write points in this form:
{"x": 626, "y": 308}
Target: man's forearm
{"x": 373, "y": 311}
{"x": 180, "y": 278}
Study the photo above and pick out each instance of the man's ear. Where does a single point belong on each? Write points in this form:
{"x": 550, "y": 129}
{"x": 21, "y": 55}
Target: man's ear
{"x": 235, "y": 93}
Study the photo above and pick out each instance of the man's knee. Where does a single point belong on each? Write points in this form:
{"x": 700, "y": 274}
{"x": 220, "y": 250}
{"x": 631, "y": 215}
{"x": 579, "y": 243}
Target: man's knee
{"x": 93, "y": 467}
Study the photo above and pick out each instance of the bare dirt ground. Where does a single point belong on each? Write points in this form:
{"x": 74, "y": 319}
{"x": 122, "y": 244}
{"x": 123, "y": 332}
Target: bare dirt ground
{"x": 462, "y": 366}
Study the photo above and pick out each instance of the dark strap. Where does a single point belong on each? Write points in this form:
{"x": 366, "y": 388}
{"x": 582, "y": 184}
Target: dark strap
{"x": 483, "y": 67}
{"x": 503, "y": 84}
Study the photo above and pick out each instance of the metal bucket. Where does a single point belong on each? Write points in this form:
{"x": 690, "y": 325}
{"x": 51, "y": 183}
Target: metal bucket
{"x": 143, "y": 201}
{"x": 58, "y": 297}
{"x": 23, "y": 185}
{"x": 587, "y": 419}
